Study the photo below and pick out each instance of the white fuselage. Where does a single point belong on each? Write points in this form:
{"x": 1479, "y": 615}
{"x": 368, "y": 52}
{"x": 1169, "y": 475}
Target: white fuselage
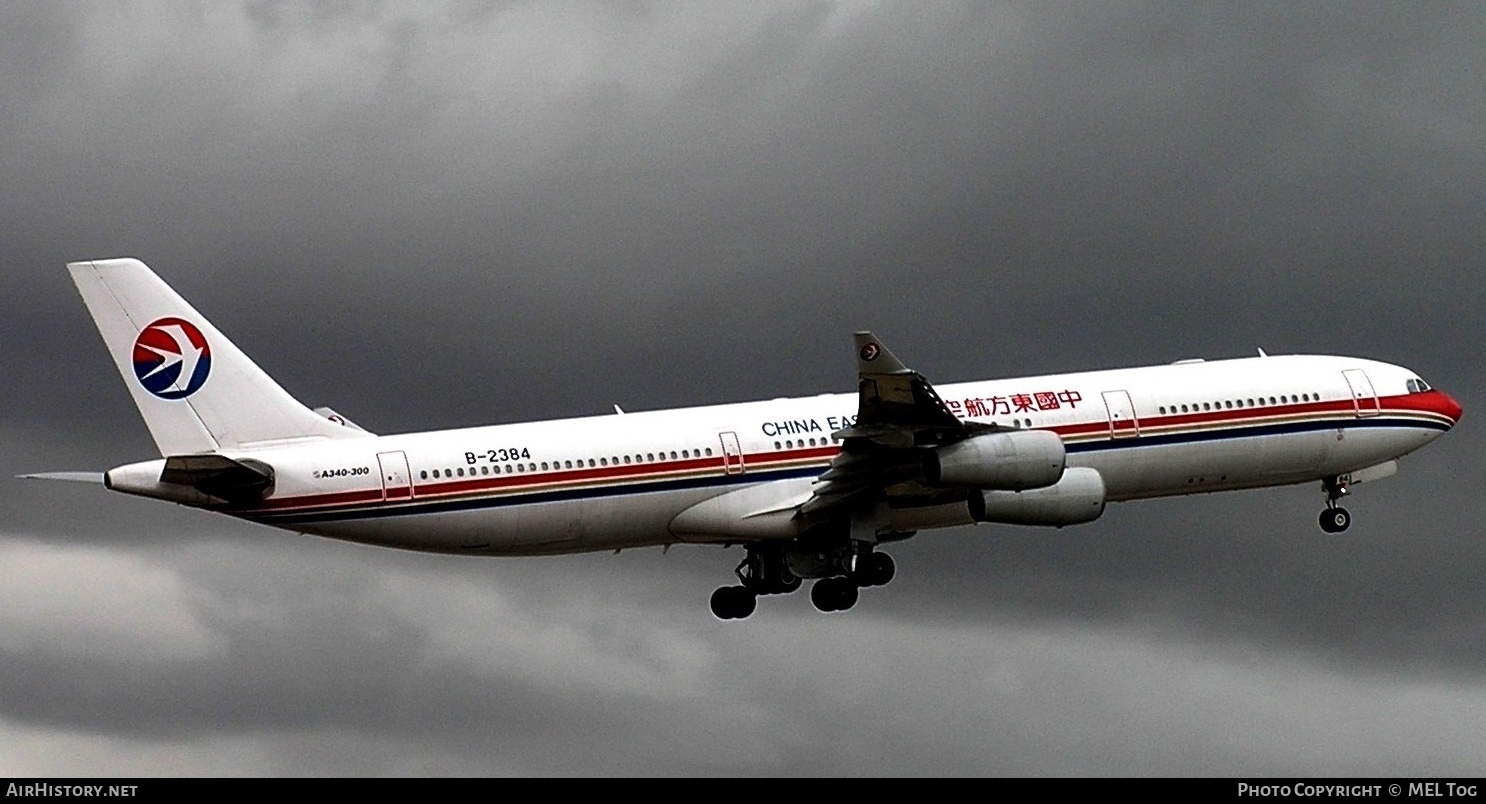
{"x": 618, "y": 481}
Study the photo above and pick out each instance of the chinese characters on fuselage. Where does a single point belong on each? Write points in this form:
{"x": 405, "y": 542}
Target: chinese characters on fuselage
{"x": 977, "y": 407}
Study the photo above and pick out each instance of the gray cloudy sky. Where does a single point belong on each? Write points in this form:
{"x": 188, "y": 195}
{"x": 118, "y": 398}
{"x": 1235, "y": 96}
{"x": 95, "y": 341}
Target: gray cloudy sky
{"x": 443, "y": 214}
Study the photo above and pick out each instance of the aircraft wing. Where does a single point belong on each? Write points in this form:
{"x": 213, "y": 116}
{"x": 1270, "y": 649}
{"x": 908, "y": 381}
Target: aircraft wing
{"x": 898, "y": 415}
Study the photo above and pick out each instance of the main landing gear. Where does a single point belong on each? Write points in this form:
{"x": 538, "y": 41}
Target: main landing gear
{"x": 776, "y": 569}
{"x": 1335, "y": 518}
{"x": 764, "y": 571}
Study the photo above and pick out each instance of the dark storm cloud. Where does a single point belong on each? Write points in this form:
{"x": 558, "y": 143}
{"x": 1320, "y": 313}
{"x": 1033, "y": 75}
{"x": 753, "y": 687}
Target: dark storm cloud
{"x": 438, "y": 215}
{"x": 425, "y": 665}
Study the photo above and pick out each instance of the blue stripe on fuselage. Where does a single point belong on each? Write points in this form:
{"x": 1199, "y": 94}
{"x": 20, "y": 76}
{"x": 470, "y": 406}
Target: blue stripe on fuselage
{"x": 753, "y": 476}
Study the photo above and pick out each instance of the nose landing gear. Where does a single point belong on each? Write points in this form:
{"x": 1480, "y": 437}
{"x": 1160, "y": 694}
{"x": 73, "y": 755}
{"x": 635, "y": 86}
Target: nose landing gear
{"x": 1335, "y": 518}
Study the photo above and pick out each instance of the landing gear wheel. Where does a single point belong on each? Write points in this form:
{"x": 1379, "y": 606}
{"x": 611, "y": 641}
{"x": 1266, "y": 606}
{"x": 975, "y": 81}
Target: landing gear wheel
{"x": 834, "y": 594}
{"x": 875, "y": 569}
{"x": 846, "y": 596}
{"x": 733, "y": 603}
{"x": 1335, "y": 520}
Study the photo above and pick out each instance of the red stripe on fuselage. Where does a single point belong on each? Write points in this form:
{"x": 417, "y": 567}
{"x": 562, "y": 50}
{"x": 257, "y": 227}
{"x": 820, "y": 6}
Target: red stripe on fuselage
{"x": 1430, "y": 403}
{"x": 521, "y": 482}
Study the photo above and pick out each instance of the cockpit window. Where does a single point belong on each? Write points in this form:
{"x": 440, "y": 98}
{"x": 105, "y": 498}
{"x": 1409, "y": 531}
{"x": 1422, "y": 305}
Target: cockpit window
{"x": 1417, "y": 386}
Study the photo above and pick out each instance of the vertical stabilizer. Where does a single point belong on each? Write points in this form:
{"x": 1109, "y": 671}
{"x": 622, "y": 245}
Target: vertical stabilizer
{"x": 196, "y": 390}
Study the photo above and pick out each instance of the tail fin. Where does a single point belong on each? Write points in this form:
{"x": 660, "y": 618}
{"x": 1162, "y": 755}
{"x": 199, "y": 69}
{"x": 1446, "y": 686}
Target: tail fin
{"x": 196, "y": 391}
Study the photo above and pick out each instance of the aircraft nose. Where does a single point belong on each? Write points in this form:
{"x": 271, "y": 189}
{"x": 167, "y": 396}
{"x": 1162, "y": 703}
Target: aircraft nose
{"x": 1450, "y": 408}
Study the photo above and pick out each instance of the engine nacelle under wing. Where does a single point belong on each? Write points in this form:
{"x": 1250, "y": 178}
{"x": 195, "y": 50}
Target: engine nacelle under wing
{"x": 1078, "y": 497}
{"x": 1024, "y": 459}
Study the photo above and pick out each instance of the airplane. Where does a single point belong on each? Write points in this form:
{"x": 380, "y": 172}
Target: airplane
{"x": 811, "y": 488}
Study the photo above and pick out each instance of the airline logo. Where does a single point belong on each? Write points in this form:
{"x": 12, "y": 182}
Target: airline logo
{"x": 172, "y": 358}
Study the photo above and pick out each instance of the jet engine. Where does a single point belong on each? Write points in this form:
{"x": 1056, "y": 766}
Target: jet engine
{"x": 1076, "y": 498}
{"x": 1013, "y": 461}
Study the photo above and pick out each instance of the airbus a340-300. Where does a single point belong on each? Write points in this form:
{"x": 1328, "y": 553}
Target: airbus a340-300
{"x": 810, "y": 488}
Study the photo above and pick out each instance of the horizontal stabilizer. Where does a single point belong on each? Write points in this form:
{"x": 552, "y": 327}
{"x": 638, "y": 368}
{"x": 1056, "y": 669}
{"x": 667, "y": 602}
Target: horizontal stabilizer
{"x": 76, "y": 477}
{"x": 220, "y": 476}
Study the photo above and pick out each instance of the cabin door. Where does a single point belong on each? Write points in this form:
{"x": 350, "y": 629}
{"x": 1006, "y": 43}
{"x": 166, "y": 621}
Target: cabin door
{"x": 1122, "y": 420}
{"x": 395, "y": 474}
{"x": 732, "y": 453}
{"x": 1364, "y": 398}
